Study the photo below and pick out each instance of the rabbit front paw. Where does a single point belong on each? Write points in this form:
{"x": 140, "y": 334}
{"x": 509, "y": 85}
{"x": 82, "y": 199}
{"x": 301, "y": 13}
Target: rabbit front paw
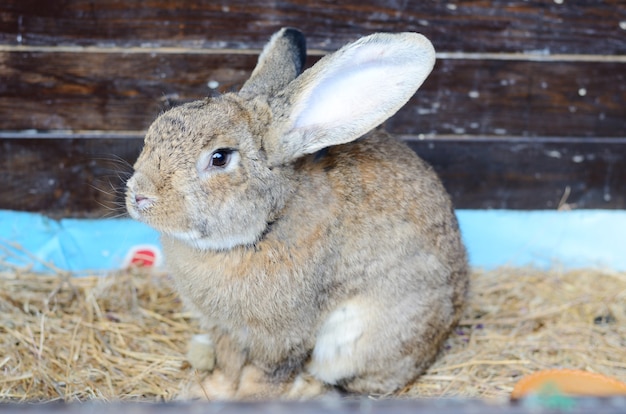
{"x": 201, "y": 352}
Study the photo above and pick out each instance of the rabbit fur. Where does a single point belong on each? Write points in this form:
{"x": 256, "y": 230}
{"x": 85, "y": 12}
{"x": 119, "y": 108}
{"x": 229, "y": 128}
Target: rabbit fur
{"x": 317, "y": 254}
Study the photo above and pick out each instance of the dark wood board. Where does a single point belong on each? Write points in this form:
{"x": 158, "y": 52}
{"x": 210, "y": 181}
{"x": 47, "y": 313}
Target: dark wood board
{"x": 519, "y": 173}
{"x": 526, "y": 104}
{"x": 118, "y": 91}
{"x": 64, "y": 177}
{"x": 518, "y": 98}
{"x": 536, "y": 26}
{"x": 106, "y": 91}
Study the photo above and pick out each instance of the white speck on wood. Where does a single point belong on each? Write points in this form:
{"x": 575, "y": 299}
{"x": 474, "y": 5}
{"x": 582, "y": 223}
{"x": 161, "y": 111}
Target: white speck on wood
{"x": 538, "y": 52}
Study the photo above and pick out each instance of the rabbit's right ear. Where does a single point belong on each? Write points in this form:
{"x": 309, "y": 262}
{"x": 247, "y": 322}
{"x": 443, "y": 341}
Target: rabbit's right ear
{"x": 281, "y": 61}
{"x": 348, "y": 93}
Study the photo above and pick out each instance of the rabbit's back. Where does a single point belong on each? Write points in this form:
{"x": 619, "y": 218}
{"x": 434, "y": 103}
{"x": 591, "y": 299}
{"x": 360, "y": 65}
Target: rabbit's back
{"x": 392, "y": 269}
{"x": 376, "y": 197}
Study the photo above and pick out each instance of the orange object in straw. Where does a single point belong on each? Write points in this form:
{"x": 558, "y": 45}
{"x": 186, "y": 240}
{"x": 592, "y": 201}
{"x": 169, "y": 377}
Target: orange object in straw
{"x": 568, "y": 382}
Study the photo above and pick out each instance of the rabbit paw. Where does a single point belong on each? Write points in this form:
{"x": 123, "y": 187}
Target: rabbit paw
{"x": 254, "y": 384}
{"x": 213, "y": 387}
{"x": 201, "y": 353}
{"x": 306, "y": 387}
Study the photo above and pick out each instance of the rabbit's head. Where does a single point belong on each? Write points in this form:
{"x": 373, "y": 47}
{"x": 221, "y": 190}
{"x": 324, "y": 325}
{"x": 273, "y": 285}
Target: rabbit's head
{"x": 214, "y": 173}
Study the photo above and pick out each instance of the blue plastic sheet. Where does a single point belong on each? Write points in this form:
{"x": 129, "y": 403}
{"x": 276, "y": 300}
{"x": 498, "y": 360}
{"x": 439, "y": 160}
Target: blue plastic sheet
{"x": 571, "y": 239}
{"x": 586, "y": 238}
{"x": 79, "y": 245}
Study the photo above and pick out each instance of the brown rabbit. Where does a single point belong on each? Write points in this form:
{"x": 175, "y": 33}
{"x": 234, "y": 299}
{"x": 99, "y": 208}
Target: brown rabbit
{"x": 314, "y": 253}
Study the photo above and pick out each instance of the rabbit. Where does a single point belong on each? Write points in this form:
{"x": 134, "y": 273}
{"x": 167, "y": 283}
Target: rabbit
{"x": 319, "y": 253}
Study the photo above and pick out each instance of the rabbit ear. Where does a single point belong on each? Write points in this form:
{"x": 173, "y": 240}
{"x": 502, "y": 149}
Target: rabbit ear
{"x": 280, "y": 62}
{"x": 349, "y": 92}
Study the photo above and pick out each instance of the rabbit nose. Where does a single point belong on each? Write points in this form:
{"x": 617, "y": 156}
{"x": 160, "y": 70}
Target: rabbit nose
{"x": 140, "y": 192}
{"x": 142, "y": 202}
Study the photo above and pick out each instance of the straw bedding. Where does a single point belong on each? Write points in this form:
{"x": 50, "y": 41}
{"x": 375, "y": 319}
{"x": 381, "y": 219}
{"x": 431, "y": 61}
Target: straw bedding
{"x": 123, "y": 336}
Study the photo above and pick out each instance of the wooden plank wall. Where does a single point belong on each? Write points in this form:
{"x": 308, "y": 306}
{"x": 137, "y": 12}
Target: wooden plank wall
{"x": 525, "y": 109}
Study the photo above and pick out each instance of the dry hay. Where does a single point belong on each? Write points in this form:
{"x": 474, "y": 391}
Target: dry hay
{"x": 120, "y": 337}
{"x": 521, "y": 320}
{"x": 123, "y": 337}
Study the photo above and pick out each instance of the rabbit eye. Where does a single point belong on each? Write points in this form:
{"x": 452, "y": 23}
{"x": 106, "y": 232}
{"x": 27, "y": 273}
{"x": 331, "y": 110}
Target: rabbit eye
{"x": 218, "y": 161}
{"x": 220, "y": 158}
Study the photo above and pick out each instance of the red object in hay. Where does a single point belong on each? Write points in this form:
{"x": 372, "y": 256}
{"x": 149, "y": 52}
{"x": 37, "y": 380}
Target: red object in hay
{"x": 569, "y": 382}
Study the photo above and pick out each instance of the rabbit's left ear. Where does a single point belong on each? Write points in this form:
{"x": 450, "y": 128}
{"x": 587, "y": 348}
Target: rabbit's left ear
{"x": 281, "y": 61}
{"x": 348, "y": 93}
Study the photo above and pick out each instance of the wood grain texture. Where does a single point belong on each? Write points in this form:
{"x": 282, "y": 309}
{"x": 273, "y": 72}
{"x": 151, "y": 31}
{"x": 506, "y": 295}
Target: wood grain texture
{"x": 518, "y": 98}
{"x": 526, "y": 109}
{"x": 78, "y": 91}
{"x": 572, "y": 26}
{"x": 518, "y": 173}
{"x": 64, "y": 177}
{"x": 116, "y": 91}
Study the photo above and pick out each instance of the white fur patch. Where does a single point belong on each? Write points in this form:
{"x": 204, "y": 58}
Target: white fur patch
{"x": 334, "y": 356}
{"x": 202, "y": 339}
{"x": 195, "y": 240}
{"x": 201, "y": 353}
{"x": 186, "y": 236}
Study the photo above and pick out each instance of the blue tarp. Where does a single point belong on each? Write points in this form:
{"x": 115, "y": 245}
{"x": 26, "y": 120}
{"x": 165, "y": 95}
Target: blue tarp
{"x": 78, "y": 245}
{"x": 573, "y": 239}
{"x": 583, "y": 238}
